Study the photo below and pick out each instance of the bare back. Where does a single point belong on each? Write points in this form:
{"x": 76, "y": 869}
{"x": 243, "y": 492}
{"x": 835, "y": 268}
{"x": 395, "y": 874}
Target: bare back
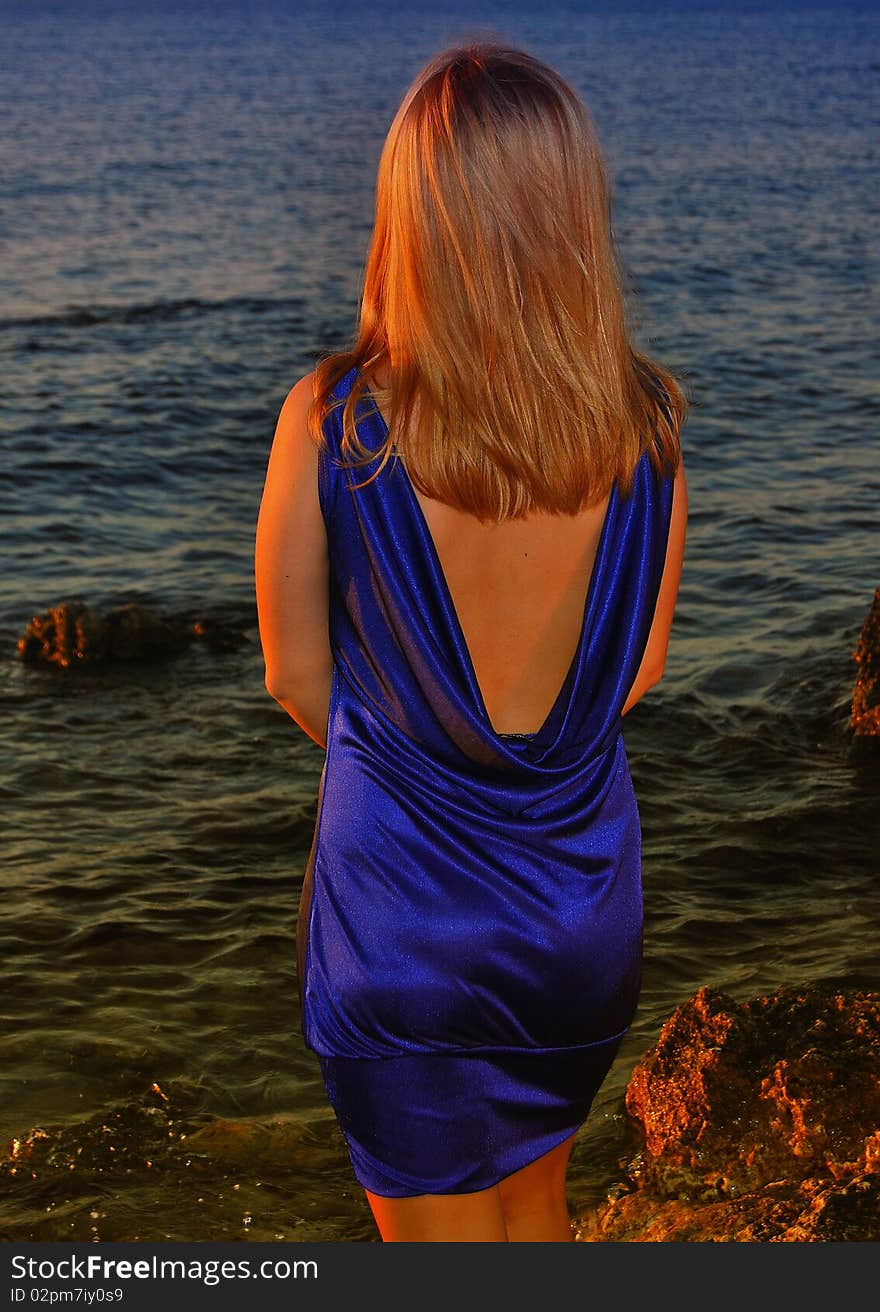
{"x": 520, "y": 590}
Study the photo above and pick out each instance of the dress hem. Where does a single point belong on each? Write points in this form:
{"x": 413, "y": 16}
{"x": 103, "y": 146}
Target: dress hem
{"x": 471, "y": 1120}
{"x": 508, "y": 1170}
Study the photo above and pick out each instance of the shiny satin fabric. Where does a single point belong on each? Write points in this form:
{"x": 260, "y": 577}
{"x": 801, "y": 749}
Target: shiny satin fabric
{"x": 470, "y": 934}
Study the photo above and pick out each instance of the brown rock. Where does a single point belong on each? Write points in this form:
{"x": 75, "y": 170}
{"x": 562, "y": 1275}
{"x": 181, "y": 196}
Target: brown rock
{"x": 760, "y": 1120}
{"x": 806, "y": 1211}
{"x": 76, "y": 634}
{"x": 865, "y": 718}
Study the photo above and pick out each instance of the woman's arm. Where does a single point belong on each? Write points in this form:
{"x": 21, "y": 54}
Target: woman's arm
{"x": 654, "y": 658}
{"x": 291, "y": 569}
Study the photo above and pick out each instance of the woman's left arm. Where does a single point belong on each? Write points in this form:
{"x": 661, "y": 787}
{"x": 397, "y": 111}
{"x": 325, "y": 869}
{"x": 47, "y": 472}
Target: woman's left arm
{"x": 291, "y": 569}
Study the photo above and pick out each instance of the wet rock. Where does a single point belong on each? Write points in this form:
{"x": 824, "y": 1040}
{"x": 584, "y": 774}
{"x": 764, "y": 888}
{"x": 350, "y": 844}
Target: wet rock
{"x": 760, "y": 1120}
{"x": 75, "y": 634}
{"x": 252, "y": 1143}
{"x": 808, "y": 1211}
{"x": 865, "y": 718}
{"x": 159, "y": 1166}
{"x": 111, "y": 1143}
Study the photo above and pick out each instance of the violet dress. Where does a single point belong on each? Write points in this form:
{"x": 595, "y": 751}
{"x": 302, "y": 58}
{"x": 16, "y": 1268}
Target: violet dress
{"x": 469, "y": 940}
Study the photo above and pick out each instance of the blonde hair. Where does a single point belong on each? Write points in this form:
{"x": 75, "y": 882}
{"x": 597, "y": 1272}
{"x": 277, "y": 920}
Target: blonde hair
{"x": 493, "y": 302}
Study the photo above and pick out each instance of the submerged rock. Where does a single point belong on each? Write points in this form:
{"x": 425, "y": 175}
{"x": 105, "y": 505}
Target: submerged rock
{"x": 865, "y": 718}
{"x": 760, "y": 1121}
{"x": 74, "y": 633}
{"x": 158, "y": 1166}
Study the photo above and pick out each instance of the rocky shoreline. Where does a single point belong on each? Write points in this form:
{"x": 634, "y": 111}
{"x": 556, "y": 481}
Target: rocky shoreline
{"x": 754, "y": 1121}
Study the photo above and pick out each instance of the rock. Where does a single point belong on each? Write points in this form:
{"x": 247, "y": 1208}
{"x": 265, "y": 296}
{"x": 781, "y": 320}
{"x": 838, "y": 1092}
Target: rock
{"x": 865, "y": 718}
{"x": 760, "y": 1120}
{"x": 75, "y": 634}
{"x": 296, "y": 1143}
{"x": 808, "y": 1211}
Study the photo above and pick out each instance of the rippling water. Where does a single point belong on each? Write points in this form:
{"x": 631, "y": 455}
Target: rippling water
{"x": 185, "y": 202}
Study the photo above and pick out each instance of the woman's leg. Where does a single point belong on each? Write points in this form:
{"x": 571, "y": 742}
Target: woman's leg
{"x": 527, "y": 1206}
{"x": 533, "y": 1198}
{"x": 440, "y": 1217}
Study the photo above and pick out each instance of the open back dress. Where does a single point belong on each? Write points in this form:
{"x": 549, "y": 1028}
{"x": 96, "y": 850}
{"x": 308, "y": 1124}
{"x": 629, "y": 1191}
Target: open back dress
{"x": 469, "y": 940}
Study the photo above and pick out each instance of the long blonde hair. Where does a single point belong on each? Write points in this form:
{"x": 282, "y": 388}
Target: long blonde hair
{"x": 493, "y": 302}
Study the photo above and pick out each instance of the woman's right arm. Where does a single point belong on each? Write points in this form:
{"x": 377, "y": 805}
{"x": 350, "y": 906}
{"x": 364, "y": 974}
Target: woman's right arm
{"x": 654, "y": 658}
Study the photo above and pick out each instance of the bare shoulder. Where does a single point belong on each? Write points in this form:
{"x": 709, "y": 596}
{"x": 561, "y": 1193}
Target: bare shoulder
{"x": 295, "y": 408}
{"x": 302, "y": 391}
{"x": 677, "y": 532}
{"x": 679, "y": 491}
{"x": 293, "y": 448}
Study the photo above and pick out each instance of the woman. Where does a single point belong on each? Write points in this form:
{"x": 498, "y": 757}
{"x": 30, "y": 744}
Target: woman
{"x": 468, "y": 554}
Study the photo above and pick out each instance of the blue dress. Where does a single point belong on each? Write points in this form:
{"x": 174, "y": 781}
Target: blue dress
{"x": 469, "y": 939}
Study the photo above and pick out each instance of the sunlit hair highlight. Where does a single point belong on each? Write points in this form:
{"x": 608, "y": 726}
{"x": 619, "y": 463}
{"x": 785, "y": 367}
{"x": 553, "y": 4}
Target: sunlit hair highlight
{"x": 493, "y": 301}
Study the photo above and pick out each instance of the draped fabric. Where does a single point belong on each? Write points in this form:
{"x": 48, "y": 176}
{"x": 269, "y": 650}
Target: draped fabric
{"x": 470, "y": 931}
